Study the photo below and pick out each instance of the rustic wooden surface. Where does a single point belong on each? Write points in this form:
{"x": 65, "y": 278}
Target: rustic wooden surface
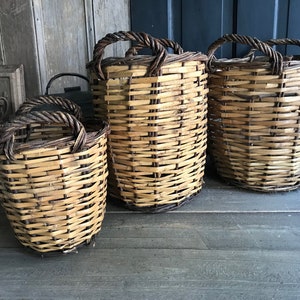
{"x": 53, "y": 36}
{"x": 226, "y": 243}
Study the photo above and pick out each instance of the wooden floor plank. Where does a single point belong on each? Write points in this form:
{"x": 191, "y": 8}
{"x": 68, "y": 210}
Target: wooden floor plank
{"x": 217, "y": 196}
{"x": 271, "y": 231}
{"x": 151, "y": 274}
{"x": 218, "y": 200}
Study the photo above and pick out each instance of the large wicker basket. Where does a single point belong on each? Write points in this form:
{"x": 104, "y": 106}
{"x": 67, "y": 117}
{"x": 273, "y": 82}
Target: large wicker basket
{"x": 53, "y": 190}
{"x": 254, "y": 117}
{"x": 156, "y": 106}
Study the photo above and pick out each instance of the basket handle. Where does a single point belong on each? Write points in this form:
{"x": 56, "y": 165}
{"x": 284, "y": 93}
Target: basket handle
{"x": 278, "y": 42}
{"x": 284, "y": 42}
{"x": 41, "y": 117}
{"x": 142, "y": 38}
{"x": 66, "y": 104}
{"x": 165, "y": 42}
{"x": 61, "y": 75}
{"x": 276, "y": 57}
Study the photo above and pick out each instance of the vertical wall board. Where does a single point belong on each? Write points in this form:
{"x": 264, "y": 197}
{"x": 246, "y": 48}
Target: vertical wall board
{"x": 282, "y": 23}
{"x": 18, "y": 42}
{"x": 174, "y": 10}
{"x": 90, "y": 27}
{"x": 62, "y": 43}
{"x": 54, "y": 36}
{"x": 160, "y": 18}
{"x": 205, "y": 21}
{"x": 258, "y": 19}
{"x": 111, "y": 16}
{"x": 150, "y": 16}
{"x": 294, "y": 26}
{"x": 2, "y": 53}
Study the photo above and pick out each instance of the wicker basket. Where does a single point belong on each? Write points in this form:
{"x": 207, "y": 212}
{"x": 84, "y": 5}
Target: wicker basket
{"x": 54, "y": 191}
{"x": 254, "y": 117}
{"x": 156, "y": 106}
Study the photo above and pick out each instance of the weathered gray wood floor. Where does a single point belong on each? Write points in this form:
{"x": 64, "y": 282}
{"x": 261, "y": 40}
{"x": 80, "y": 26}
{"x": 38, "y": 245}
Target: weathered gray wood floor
{"x": 227, "y": 243}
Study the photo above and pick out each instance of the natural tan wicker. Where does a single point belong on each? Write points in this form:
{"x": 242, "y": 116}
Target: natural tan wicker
{"x": 156, "y": 107}
{"x": 254, "y": 117}
{"x": 54, "y": 191}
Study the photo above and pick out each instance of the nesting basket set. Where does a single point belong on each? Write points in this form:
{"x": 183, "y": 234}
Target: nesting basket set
{"x": 155, "y": 117}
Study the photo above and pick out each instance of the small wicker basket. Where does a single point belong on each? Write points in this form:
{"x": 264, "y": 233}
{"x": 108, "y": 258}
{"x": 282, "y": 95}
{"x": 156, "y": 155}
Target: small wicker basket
{"x": 254, "y": 117}
{"x": 156, "y": 106}
{"x": 53, "y": 190}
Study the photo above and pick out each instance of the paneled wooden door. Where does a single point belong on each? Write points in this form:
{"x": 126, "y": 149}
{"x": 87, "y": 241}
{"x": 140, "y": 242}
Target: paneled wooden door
{"x": 197, "y": 23}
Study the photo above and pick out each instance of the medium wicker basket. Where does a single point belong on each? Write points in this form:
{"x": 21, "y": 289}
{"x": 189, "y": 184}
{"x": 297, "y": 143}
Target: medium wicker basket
{"x": 254, "y": 117}
{"x": 53, "y": 190}
{"x": 156, "y": 106}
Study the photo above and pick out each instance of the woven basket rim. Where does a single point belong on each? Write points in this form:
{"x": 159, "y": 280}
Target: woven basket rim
{"x": 146, "y": 60}
{"x": 92, "y": 138}
{"x": 68, "y": 141}
{"x": 258, "y": 61}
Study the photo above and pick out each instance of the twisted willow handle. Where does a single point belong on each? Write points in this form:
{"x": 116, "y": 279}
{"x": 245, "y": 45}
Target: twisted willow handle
{"x": 66, "y": 104}
{"x": 165, "y": 42}
{"x": 284, "y": 42}
{"x": 276, "y": 57}
{"x": 41, "y": 117}
{"x": 141, "y": 38}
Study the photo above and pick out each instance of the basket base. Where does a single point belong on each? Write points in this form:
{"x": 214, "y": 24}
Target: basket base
{"x": 151, "y": 209}
{"x": 53, "y": 253}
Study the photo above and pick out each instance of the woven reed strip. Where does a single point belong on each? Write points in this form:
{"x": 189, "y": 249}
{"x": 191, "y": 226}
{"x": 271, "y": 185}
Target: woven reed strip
{"x": 254, "y": 122}
{"x": 54, "y": 199}
{"x": 158, "y": 123}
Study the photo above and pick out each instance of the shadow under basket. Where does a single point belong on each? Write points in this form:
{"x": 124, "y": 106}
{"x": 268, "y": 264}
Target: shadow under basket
{"x": 158, "y": 122}
{"x": 54, "y": 190}
{"x": 254, "y": 117}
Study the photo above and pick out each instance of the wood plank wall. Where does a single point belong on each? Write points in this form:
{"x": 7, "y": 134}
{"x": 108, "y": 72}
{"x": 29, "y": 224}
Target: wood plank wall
{"x": 54, "y": 36}
{"x": 195, "y": 24}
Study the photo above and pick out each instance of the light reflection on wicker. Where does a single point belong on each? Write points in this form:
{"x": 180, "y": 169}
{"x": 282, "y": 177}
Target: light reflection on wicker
{"x": 156, "y": 107}
{"x": 254, "y": 117}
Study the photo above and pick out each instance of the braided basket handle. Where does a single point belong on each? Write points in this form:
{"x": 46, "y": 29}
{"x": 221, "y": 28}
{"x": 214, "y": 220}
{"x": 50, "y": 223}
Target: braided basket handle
{"x": 66, "y": 104}
{"x": 141, "y": 38}
{"x": 283, "y": 42}
{"x": 42, "y": 117}
{"x": 277, "y": 42}
{"x": 276, "y": 57}
{"x": 165, "y": 42}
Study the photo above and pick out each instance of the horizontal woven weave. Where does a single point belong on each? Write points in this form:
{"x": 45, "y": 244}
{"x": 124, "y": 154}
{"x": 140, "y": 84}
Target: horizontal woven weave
{"x": 254, "y": 118}
{"x": 54, "y": 191}
{"x": 158, "y": 125}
